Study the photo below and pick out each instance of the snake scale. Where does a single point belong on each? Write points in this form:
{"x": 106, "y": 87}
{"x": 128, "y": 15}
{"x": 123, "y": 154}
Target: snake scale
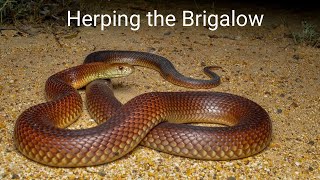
{"x": 40, "y": 132}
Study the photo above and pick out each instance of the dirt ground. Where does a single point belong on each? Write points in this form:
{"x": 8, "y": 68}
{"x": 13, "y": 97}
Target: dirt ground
{"x": 260, "y": 63}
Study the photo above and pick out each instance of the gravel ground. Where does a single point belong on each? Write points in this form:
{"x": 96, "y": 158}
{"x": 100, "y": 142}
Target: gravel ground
{"x": 260, "y": 63}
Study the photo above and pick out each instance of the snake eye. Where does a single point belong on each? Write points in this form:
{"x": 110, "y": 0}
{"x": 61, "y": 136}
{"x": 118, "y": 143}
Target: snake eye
{"x": 120, "y": 67}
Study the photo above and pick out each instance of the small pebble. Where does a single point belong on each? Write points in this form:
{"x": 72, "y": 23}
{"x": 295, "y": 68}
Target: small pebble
{"x": 213, "y": 36}
{"x": 231, "y": 178}
{"x": 294, "y": 105}
{"x": 311, "y": 142}
{"x": 151, "y": 49}
{"x": 279, "y": 111}
{"x": 267, "y": 93}
{"x": 147, "y": 87}
{"x": 167, "y": 33}
{"x": 101, "y": 173}
{"x": 296, "y": 57}
{"x": 282, "y": 95}
{"x": 15, "y": 176}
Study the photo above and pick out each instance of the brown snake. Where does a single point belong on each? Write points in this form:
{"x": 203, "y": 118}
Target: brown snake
{"x": 40, "y": 136}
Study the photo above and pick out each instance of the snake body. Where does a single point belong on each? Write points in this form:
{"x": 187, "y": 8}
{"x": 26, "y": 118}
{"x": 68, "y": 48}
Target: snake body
{"x": 40, "y": 136}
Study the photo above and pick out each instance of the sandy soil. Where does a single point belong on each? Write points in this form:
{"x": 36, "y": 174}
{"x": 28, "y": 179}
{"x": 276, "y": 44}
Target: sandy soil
{"x": 260, "y": 63}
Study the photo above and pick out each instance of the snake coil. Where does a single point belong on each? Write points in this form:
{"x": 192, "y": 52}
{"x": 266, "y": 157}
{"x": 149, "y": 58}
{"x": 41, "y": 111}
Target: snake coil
{"x": 39, "y": 132}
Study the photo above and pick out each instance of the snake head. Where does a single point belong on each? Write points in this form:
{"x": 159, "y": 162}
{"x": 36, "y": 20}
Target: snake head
{"x": 120, "y": 69}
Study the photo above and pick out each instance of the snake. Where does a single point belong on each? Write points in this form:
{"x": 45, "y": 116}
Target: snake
{"x": 158, "y": 120}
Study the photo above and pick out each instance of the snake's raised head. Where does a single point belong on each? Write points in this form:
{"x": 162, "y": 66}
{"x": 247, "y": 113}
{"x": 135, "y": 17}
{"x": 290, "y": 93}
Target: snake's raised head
{"x": 120, "y": 69}
{"x": 81, "y": 75}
